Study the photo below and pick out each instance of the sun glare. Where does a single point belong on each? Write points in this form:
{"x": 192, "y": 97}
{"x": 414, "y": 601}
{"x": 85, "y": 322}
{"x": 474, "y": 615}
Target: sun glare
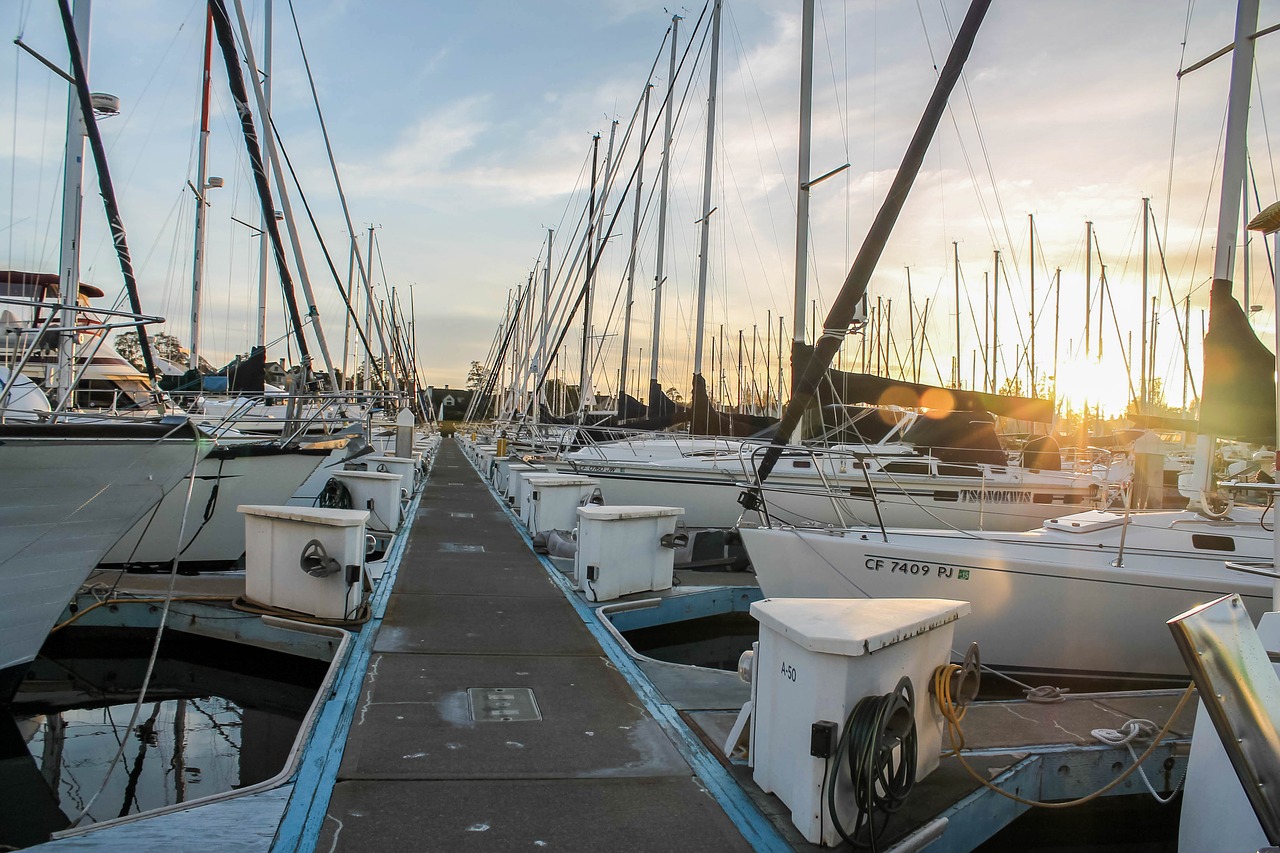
{"x": 1094, "y": 384}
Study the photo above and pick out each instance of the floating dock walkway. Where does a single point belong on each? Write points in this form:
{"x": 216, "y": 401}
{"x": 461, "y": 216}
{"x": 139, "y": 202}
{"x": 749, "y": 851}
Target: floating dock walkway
{"x": 475, "y": 627}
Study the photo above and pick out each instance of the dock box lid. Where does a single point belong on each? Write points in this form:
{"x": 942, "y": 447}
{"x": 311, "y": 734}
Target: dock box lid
{"x": 614, "y": 513}
{"x": 308, "y": 514}
{"x": 854, "y": 626}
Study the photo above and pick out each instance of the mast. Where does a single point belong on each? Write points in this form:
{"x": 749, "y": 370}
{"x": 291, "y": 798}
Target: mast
{"x": 273, "y": 157}
{"x": 368, "y": 319}
{"x": 1233, "y": 177}
{"x": 1088, "y": 282}
{"x": 631, "y": 265}
{"x": 1031, "y": 358}
{"x": 72, "y": 213}
{"x": 955, "y": 256}
{"x": 854, "y": 287}
{"x": 543, "y": 360}
{"x": 655, "y": 388}
{"x": 995, "y": 324}
{"x": 262, "y": 246}
{"x": 1146, "y": 264}
{"x": 802, "y": 189}
{"x": 202, "y": 180}
{"x": 699, "y": 423}
{"x": 586, "y": 313}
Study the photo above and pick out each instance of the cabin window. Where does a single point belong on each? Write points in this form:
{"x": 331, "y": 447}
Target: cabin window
{"x": 1041, "y": 498}
{"x": 906, "y": 468}
{"x": 1208, "y": 542}
{"x": 946, "y": 497}
{"x": 959, "y": 471}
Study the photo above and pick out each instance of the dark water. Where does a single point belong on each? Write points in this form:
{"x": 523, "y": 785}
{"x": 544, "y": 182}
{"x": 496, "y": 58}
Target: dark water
{"x": 715, "y": 642}
{"x": 217, "y": 717}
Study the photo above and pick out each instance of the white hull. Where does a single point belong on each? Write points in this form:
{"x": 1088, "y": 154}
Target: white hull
{"x": 215, "y": 533}
{"x": 66, "y": 496}
{"x": 1046, "y": 600}
{"x": 709, "y": 490}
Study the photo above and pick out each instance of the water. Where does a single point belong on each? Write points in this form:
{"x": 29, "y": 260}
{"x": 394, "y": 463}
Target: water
{"x": 715, "y": 642}
{"x": 218, "y": 717}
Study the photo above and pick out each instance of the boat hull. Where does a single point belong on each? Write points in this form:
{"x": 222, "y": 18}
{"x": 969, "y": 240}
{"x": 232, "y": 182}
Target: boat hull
{"x": 1062, "y": 609}
{"x": 214, "y": 538}
{"x": 709, "y": 496}
{"x": 69, "y": 492}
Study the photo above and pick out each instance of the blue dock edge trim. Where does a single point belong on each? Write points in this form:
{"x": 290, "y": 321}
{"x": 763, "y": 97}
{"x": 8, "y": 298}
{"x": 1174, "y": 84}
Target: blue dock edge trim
{"x": 318, "y": 769}
{"x": 757, "y": 829}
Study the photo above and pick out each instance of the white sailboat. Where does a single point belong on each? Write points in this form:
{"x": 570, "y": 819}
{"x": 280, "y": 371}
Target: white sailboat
{"x": 1085, "y": 593}
{"x": 69, "y": 492}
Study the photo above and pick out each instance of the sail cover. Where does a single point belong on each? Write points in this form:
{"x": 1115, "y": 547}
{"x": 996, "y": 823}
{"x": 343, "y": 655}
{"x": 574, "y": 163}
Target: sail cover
{"x": 841, "y": 386}
{"x": 1239, "y": 396}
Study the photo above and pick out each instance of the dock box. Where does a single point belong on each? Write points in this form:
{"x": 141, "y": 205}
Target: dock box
{"x": 285, "y": 568}
{"x": 377, "y": 492}
{"x": 621, "y": 549}
{"x": 551, "y": 501}
{"x": 816, "y": 659}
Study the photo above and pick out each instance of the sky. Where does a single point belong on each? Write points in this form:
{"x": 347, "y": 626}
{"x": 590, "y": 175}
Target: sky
{"x": 463, "y": 131}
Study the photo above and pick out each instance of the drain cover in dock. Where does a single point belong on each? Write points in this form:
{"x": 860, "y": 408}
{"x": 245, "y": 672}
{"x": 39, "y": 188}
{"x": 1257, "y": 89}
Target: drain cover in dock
{"x": 502, "y": 704}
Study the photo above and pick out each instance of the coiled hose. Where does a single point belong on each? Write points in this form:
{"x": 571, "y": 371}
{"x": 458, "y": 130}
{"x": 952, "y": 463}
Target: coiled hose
{"x": 879, "y": 746}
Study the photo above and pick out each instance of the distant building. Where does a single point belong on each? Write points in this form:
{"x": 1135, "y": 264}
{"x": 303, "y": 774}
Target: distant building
{"x": 450, "y": 404}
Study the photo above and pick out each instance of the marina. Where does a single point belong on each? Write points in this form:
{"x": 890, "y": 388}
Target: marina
{"x": 602, "y": 729}
{"x": 711, "y": 549}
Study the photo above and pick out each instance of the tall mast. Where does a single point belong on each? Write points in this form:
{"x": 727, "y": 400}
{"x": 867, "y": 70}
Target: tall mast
{"x": 586, "y": 313}
{"x": 655, "y": 388}
{"x": 202, "y": 179}
{"x": 273, "y": 156}
{"x": 1088, "y": 282}
{"x": 1233, "y": 176}
{"x": 802, "y": 188}
{"x": 72, "y": 212}
{"x": 631, "y": 263}
{"x": 1031, "y": 358}
{"x": 1146, "y": 264}
{"x": 262, "y": 236}
{"x": 368, "y": 319}
{"x": 995, "y": 324}
{"x": 955, "y": 257}
{"x": 705, "y": 240}
{"x": 543, "y": 359}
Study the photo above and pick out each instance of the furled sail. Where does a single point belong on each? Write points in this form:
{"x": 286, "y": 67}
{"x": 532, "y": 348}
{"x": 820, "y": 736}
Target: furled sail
{"x": 841, "y": 386}
{"x": 1239, "y": 392}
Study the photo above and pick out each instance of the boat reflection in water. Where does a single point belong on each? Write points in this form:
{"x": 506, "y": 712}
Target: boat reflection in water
{"x": 214, "y": 720}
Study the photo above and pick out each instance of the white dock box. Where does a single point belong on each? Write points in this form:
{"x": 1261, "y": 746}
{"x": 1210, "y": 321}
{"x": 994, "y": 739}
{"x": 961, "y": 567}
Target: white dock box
{"x": 551, "y": 501}
{"x": 502, "y": 471}
{"x": 620, "y": 550}
{"x": 817, "y": 658}
{"x": 405, "y": 466}
{"x": 516, "y": 483}
{"x": 377, "y": 492}
{"x": 276, "y": 538}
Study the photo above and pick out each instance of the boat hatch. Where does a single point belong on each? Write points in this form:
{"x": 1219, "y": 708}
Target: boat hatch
{"x": 1083, "y": 522}
{"x": 1210, "y": 542}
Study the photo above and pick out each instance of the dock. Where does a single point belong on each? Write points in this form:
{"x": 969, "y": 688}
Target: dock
{"x": 486, "y": 705}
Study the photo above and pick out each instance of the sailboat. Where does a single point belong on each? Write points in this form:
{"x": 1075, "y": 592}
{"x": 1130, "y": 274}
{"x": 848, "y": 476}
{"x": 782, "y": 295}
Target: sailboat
{"x": 1088, "y": 592}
